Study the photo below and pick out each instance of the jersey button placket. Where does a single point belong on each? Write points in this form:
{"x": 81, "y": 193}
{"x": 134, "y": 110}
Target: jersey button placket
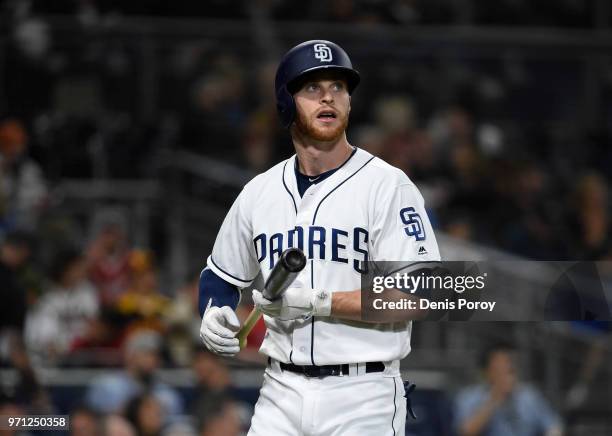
{"x": 301, "y": 332}
{"x": 301, "y": 335}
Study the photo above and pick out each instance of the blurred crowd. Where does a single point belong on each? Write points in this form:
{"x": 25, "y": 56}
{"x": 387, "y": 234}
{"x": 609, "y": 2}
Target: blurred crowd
{"x": 102, "y": 308}
{"x": 501, "y": 156}
{"x": 97, "y": 302}
{"x": 567, "y": 13}
{"x": 500, "y": 153}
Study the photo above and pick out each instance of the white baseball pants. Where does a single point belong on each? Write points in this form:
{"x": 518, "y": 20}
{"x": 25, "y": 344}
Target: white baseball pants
{"x": 291, "y": 404}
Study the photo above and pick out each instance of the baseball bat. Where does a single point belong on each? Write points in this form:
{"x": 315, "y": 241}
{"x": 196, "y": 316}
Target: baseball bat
{"x": 290, "y": 263}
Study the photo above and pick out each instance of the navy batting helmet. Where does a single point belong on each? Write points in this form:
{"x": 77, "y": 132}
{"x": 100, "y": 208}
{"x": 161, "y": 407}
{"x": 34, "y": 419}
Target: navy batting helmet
{"x": 302, "y": 59}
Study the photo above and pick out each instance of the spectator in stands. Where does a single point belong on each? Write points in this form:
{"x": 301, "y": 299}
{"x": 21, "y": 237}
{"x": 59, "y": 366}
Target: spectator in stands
{"x": 27, "y": 392}
{"x": 215, "y": 407}
{"x": 218, "y": 98}
{"x": 219, "y": 419}
{"x": 142, "y": 303}
{"x": 15, "y": 251}
{"x": 185, "y": 303}
{"x": 84, "y": 422}
{"x": 146, "y": 413}
{"x": 111, "y": 393}
{"x": 459, "y": 226}
{"x": 108, "y": 257}
{"x": 63, "y": 312}
{"x": 22, "y": 187}
{"x": 452, "y": 132}
{"x": 184, "y": 428}
{"x": 591, "y": 220}
{"x": 212, "y": 380}
{"x": 592, "y": 366}
{"x": 532, "y": 217}
{"x": 462, "y": 168}
{"x": 101, "y": 342}
{"x": 405, "y": 146}
{"x": 117, "y": 425}
{"x": 182, "y": 320}
{"x": 8, "y": 407}
{"x": 258, "y": 141}
{"x": 501, "y": 406}
{"x": 371, "y": 138}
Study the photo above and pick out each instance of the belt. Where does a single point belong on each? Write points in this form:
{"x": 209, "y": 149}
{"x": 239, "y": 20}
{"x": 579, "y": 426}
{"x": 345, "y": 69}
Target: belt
{"x": 327, "y": 370}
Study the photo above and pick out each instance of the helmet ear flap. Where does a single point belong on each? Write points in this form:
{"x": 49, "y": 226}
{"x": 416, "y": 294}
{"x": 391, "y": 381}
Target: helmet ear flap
{"x": 285, "y": 105}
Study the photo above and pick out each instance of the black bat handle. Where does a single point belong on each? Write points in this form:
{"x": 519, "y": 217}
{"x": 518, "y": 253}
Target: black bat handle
{"x": 290, "y": 263}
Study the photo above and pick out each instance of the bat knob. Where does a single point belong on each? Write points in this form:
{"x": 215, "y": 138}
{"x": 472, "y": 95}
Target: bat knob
{"x": 293, "y": 259}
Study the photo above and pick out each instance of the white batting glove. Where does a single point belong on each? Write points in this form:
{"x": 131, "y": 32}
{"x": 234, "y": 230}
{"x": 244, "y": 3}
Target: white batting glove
{"x": 295, "y": 303}
{"x": 218, "y": 330}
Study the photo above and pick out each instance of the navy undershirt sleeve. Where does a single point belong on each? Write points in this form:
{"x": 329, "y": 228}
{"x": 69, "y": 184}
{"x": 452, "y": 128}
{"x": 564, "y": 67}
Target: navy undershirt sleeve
{"x": 221, "y": 292}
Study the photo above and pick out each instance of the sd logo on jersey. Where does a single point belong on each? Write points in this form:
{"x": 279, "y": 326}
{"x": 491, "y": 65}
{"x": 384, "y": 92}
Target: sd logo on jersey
{"x": 414, "y": 224}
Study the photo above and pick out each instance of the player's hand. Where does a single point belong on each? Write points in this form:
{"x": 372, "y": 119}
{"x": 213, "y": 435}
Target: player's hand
{"x": 218, "y": 330}
{"x": 295, "y": 303}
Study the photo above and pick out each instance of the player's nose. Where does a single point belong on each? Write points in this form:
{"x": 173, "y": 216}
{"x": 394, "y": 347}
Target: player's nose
{"x": 327, "y": 96}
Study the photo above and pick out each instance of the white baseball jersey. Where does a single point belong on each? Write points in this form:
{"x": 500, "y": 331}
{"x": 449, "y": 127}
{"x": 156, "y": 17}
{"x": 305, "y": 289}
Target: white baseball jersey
{"x": 366, "y": 210}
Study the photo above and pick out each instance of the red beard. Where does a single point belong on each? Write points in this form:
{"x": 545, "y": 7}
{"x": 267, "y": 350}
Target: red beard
{"x": 309, "y": 129}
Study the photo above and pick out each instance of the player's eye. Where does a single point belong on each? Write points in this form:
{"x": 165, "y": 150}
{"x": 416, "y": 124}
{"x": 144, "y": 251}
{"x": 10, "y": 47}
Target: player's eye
{"x": 338, "y": 86}
{"x": 311, "y": 87}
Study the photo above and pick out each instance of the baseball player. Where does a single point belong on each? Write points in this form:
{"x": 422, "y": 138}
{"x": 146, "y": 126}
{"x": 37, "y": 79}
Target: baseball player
{"x": 329, "y": 372}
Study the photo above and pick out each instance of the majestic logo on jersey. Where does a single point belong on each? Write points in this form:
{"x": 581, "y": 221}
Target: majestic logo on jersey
{"x": 317, "y": 242}
{"x": 322, "y": 52}
{"x": 414, "y": 224}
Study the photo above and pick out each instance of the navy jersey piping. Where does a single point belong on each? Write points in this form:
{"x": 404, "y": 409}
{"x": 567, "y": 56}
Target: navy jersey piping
{"x": 295, "y": 208}
{"x": 314, "y": 218}
{"x": 287, "y": 189}
{"x": 340, "y": 184}
{"x": 312, "y": 321}
{"x": 232, "y": 276}
{"x": 394, "y": 405}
